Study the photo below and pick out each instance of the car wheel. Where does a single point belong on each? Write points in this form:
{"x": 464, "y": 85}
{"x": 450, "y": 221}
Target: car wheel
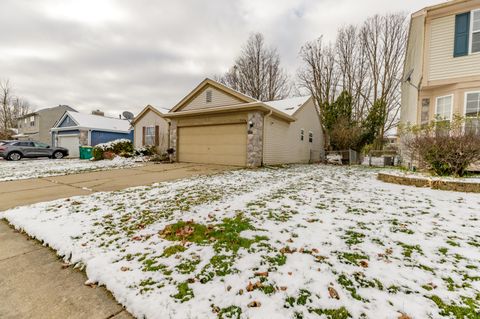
{"x": 14, "y": 156}
{"x": 57, "y": 155}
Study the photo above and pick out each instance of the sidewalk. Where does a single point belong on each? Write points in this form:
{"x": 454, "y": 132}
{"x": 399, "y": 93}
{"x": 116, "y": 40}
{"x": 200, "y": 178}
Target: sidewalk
{"x": 33, "y": 283}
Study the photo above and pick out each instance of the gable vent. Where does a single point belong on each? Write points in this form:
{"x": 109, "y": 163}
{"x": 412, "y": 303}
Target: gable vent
{"x": 209, "y": 96}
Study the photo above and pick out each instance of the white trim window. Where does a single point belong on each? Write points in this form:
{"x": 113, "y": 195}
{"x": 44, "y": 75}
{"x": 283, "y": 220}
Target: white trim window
{"x": 150, "y": 135}
{"x": 32, "y": 120}
{"x": 302, "y": 134}
{"x": 444, "y": 108}
{"x": 475, "y": 33}
{"x": 472, "y": 112}
{"x": 310, "y": 137}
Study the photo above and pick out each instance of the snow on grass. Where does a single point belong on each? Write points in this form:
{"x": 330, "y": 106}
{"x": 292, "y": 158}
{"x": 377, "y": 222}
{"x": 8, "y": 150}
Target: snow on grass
{"x": 25, "y": 169}
{"x": 301, "y": 242}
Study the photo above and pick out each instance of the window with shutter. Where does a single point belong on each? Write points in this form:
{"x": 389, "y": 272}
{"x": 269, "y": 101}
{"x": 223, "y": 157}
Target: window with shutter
{"x": 150, "y": 135}
{"x": 462, "y": 34}
{"x": 475, "y": 31}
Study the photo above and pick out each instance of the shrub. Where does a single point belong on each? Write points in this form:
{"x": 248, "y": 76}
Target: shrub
{"x": 146, "y": 151}
{"x": 444, "y": 148}
{"x": 121, "y": 147}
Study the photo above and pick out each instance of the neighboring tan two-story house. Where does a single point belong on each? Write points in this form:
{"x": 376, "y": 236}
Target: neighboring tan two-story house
{"x": 442, "y": 66}
{"x": 36, "y": 126}
{"x": 218, "y": 125}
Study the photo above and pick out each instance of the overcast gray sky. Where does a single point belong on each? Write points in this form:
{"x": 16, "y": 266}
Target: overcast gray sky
{"x": 122, "y": 55}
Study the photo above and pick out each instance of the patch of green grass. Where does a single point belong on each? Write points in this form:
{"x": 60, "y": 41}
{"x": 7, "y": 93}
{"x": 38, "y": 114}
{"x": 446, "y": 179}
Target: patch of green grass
{"x": 469, "y": 309}
{"x": 351, "y": 258}
{"x": 443, "y": 250}
{"x": 188, "y": 266}
{"x": 225, "y": 235}
{"x": 353, "y": 238}
{"x": 173, "y": 250}
{"x": 185, "y": 293}
{"x": 452, "y": 243}
{"x": 409, "y": 249}
{"x": 348, "y": 285}
{"x": 304, "y": 297}
{"x": 219, "y": 265}
{"x": 340, "y": 313}
{"x": 231, "y": 312}
{"x": 275, "y": 261}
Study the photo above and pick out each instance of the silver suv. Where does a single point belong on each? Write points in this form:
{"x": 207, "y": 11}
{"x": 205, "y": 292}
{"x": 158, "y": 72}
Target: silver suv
{"x": 16, "y": 150}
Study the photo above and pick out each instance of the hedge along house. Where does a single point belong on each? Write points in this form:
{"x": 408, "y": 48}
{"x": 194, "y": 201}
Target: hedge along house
{"x": 151, "y": 129}
{"x": 218, "y": 125}
{"x": 76, "y": 129}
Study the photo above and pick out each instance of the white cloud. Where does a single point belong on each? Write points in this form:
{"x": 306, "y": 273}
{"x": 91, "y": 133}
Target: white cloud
{"x": 124, "y": 54}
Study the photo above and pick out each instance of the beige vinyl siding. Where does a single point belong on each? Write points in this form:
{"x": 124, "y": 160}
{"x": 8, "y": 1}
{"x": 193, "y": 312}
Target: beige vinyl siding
{"x": 219, "y": 98}
{"x": 282, "y": 142}
{"x": 442, "y": 64}
{"x": 413, "y": 61}
{"x": 152, "y": 119}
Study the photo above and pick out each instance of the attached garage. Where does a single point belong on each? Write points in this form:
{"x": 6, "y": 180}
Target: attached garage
{"x": 70, "y": 142}
{"x": 213, "y": 144}
{"x": 215, "y": 124}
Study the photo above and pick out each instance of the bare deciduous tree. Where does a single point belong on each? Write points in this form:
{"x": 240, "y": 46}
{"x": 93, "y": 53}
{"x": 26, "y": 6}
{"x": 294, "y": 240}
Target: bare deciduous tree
{"x": 257, "y": 72}
{"x": 364, "y": 61}
{"x": 12, "y": 107}
{"x": 319, "y": 76}
{"x": 385, "y": 41}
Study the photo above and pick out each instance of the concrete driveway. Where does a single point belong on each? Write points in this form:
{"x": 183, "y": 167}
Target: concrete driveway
{"x": 23, "y": 192}
{"x": 33, "y": 281}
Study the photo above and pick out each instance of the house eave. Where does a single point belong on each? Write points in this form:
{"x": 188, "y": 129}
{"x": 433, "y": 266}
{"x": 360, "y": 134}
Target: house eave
{"x": 255, "y": 106}
{"x": 70, "y": 128}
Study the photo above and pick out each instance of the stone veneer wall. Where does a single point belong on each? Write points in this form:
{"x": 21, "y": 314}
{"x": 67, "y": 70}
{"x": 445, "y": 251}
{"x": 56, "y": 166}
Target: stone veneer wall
{"x": 173, "y": 139}
{"x": 255, "y": 139}
{"x": 83, "y": 137}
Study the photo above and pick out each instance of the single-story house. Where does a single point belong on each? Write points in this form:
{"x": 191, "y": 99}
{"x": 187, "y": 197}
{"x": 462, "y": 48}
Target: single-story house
{"x": 151, "y": 129}
{"x": 76, "y": 129}
{"x": 216, "y": 124}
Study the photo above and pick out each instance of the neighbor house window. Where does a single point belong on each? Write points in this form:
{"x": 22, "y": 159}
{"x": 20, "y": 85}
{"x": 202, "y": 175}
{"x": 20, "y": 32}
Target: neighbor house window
{"x": 150, "y": 135}
{"x": 475, "y": 37}
{"x": 302, "y": 135}
{"x": 32, "y": 120}
{"x": 209, "y": 96}
{"x": 310, "y": 137}
{"x": 443, "y": 110}
{"x": 467, "y": 33}
{"x": 424, "y": 117}
{"x": 472, "y": 112}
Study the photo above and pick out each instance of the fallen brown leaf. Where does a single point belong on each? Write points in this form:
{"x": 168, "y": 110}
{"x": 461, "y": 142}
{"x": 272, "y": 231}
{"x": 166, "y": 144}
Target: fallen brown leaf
{"x": 254, "y": 304}
{"x": 333, "y": 293}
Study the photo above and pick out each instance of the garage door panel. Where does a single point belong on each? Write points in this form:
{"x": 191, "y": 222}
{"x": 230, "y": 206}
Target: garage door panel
{"x": 216, "y": 144}
{"x": 71, "y": 143}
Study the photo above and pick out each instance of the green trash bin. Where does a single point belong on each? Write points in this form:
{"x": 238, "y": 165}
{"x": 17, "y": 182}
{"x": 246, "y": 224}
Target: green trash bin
{"x": 86, "y": 152}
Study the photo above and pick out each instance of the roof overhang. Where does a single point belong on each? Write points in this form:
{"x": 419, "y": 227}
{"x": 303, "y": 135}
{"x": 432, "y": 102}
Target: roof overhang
{"x": 240, "y": 96}
{"x": 145, "y": 111}
{"x": 255, "y": 106}
{"x": 73, "y": 128}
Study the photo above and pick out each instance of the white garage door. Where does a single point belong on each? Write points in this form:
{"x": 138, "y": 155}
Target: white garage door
{"x": 214, "y": 144}
{"x": 72, "y": 143}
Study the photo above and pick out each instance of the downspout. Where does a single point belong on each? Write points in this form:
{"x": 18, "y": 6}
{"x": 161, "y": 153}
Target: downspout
{"x": 264, "y": 139}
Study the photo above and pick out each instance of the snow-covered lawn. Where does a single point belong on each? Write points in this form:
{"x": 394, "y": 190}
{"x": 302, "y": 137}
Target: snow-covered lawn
{"x": 32, "y": 168}
{"x": 301, "y": 242}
